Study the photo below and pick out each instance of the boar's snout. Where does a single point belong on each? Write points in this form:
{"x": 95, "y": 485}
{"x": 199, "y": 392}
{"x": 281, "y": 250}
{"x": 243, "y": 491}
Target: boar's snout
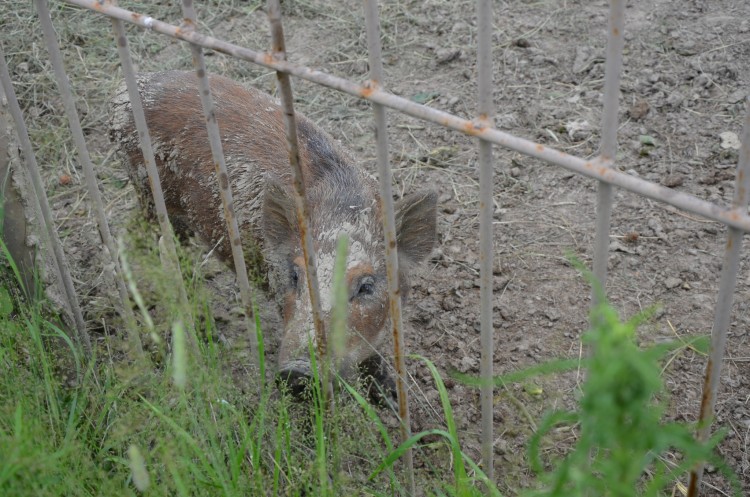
{"x": 296, "y": 379}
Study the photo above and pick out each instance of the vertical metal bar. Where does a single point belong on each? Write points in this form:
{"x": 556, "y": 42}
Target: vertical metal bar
{"x": 278, "y": 50}
{"x": 389, "y": 227}
{"x": 53, "y": 241}
{"x": 724, "y": 304}
{"x": 144, "y": 139}
{"x": 88, "y": 169}
{"x": 612, "y": 71}
{"x": 486, "y": 119}
{"x": 222, "y": 177}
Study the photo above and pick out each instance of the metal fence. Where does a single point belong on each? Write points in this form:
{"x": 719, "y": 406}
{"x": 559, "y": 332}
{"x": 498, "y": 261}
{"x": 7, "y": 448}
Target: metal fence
{"x": 482, "y": 127}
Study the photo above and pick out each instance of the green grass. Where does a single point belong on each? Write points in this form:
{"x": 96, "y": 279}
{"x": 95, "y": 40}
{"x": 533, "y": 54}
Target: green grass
{"x": 182, "y": 425}
{"x": 186, "y": 426}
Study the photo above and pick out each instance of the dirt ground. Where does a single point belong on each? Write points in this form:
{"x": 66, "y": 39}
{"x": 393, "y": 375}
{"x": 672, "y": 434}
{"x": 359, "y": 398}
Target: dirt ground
{"x": 686, "y": 74}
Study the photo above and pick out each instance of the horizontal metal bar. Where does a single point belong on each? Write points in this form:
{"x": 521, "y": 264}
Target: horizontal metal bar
{"x": 594, "y": 168}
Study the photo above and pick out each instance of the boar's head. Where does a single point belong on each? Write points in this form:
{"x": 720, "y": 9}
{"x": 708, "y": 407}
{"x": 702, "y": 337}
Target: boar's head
{"x": 343, "y": 203}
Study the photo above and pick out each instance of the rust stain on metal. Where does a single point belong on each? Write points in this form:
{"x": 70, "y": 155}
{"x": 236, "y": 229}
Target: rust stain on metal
{"x": 367, "y": 91}
{"x": 136, "y": 16}
{"x": 615, "y": 31}
{"x": 224, "y": 181}
{"x": 693, "y": 485}
{"x": 706, "y": 397}
{"x": 268, "y": 58}
{"x": 539, "y": 147}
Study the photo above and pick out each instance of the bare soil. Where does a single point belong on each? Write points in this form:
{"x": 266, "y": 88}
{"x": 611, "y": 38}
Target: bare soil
{"x": 686, "y": 74}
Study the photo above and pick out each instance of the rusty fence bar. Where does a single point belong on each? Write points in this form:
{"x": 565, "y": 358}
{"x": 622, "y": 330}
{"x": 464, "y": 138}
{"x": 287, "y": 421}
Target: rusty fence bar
{"x": 53, "y": 241}
{"x": 300, "y": 199}
{"x": 144, "y": 139}
{"x": 486, "y": 187}
{"x": 608, "y": 146}
{"x": 724, "y": 303}
{"x": 389, "y": 228}
{"x": 88, "y": 168}
{"x": 595, "y": 168}
{"x": 223, "y": 180}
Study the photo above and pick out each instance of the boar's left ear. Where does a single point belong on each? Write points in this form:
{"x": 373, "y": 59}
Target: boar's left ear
{"x": 416, "y": 225}
{"x": 279, "y": 218}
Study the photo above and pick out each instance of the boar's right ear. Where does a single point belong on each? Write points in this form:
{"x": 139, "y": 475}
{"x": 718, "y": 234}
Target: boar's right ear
{"x": 279, "y": 218}
{"x": 416, "y": 226}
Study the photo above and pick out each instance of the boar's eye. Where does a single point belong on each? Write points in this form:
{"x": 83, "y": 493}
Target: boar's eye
{"x": 366, "y": 286}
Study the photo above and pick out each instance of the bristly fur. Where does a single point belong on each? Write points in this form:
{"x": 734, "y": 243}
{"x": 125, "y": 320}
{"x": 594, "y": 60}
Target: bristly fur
{"x": 342, "y": 198}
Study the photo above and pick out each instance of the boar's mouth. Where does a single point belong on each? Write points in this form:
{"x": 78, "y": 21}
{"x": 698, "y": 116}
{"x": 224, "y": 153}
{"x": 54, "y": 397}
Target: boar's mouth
{"x": 296, "y": 378}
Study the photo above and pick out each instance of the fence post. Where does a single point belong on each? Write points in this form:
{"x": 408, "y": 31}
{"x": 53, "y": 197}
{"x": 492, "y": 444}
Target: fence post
{"x": 608, "y": 147}
{"x": 61, "y": 271}
{"x": 300, "y": 200}
{"x": 389, "y": 230}
{"x": 486, "y": 244}
{"x": 723, "y": 311}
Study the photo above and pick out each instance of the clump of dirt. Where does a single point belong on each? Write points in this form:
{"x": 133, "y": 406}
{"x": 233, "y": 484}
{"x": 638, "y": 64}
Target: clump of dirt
{"x": 683, "y": 90}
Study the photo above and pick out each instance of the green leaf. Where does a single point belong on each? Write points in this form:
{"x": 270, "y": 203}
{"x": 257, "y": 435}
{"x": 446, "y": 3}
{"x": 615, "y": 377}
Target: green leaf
{"x": 425, "y": 96}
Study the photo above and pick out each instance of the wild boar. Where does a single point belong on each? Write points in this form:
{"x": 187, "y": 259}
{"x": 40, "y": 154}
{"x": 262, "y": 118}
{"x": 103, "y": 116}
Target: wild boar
{"x": 343, "y": 200}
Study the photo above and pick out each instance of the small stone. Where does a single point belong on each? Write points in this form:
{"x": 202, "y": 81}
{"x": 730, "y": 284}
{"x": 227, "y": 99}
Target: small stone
{"x": 446, "y": 55}
{"x": 737, "y": 96}
{"x": 672, "y": 282}
{"x": 467, "y": 363}
{"x": 552, "y": 314}
{"x": 730, "y": 140}
{"x": 448, "y": 303}
{"x": 638, "y": 110}
{"x": 672, "y": 180}
{"x": 497, "y": 266}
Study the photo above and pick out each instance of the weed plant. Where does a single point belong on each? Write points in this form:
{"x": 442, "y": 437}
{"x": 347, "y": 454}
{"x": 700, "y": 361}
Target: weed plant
{"x": 622, "y": 438}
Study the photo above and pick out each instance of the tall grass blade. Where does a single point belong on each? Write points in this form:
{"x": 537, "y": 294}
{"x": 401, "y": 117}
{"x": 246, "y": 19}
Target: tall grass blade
{"x": 179, "y": 355}
{"x": 137, "y": 463}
